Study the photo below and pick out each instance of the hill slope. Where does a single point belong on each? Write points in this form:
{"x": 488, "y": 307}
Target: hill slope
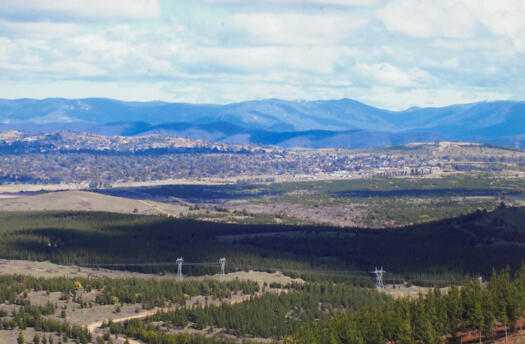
{"x": 77, "y": 201}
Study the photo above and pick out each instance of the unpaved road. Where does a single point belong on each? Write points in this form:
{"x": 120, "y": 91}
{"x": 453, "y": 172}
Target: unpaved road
{"x": 95, "y": 325}
{"x": 153, "y": 206}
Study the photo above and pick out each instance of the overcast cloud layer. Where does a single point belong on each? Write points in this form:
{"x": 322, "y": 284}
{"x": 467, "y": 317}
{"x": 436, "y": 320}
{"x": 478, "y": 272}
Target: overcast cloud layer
{"x": 392, "y": 54}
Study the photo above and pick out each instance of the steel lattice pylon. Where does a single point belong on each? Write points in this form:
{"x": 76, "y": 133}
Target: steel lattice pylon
{"x": 379, "y": 277}
{"x": 179, "y": 262}
{"x": 222, "y": 263}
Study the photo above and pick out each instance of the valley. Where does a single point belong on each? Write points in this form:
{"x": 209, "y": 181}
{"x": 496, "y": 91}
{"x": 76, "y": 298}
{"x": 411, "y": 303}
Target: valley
{"x": 91, "y": 228}
{"x": 256, "y": 184}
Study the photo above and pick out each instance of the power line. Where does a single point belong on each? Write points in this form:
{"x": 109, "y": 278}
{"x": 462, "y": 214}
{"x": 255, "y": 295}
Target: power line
{"x": 355, "y": 274}
{"x": 341, "y": 273}
{"x": 252, "y": 267}
{"x": 146, "y": 264}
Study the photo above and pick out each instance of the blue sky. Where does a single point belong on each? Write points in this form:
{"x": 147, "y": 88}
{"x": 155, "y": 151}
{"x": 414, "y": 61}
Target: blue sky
{"x": 392, "y": 54}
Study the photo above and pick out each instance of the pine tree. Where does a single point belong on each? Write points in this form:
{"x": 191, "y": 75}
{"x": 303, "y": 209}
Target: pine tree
{"x": 513, "y": 304}
{"x": 403, "y": 325}
{"x": 343, "y": 329}
{"x": 441, "y": 312}
{"x": 371, "y": 328}
{"x": 454, "y": 310}
{"x": 477, "y": 318}
{"x": 500, "y": 287}
{"x": 489, "y": 317}
{"x": 423, "y": 328}
{"x": 405, "y": 332}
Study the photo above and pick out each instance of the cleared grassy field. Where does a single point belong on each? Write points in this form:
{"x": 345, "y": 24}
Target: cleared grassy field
{"x": 82, "y": 201}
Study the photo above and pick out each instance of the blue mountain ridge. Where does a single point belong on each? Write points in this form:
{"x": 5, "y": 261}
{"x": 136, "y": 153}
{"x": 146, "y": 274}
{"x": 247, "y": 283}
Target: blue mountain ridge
{"x": 343, "y": 123}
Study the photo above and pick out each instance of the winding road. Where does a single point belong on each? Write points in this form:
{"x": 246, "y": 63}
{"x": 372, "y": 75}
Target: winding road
{"x": 93, "y": 326}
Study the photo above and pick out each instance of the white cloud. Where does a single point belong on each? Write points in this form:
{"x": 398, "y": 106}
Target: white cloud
{"x": 68, "y": 10}
{"x": 388, "y": 75}
{"x": 299, "y": 2}
{"x": 456, "y": 18}
{"x": 38, "y": 29}
{"x": 5, "y": 46}
{"x": 502, "y": 17}
{"x": 298, "y": 29}
{"x": 450, "y": 63}
{"x": 401, "y": 99}
{"x": 256, "y": 60}
{"x": 429, "y": 18}
{"x": 292, "y": 49}
{"x": 82, "y": 89}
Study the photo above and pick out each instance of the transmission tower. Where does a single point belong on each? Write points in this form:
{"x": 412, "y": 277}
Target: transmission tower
{"x": 222, "y": 263}
{"x": 179, "y": 262}
{"x": 379, "y": 277}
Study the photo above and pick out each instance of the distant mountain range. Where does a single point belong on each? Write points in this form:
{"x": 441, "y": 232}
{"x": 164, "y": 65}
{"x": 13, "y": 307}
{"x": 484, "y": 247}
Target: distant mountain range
{"x": 313, "y": 124}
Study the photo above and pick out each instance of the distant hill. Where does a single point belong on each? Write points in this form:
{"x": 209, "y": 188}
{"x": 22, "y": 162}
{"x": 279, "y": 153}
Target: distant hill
{"x": 323, "y": 123}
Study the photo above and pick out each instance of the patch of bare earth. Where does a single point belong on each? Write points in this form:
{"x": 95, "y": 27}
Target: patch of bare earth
{"x": 412, "y": 292}
{"x": 47, "y": 269}
{"x": 348, "y": 215}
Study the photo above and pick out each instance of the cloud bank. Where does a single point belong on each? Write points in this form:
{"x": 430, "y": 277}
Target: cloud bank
{"x": 394, "y": 54}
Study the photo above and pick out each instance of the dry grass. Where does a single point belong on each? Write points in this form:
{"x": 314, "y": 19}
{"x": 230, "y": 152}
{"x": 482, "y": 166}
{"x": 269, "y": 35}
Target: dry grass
{"x": 76, "y": 200}
{"x": 47, "y": 269}
{"x": 411, "y": 292}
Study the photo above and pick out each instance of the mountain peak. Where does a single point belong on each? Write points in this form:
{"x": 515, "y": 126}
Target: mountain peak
{"x": 481, "y": 121}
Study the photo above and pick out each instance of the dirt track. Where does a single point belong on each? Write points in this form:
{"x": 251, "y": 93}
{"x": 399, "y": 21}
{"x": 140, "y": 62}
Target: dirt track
{"x": 95, "y": 325}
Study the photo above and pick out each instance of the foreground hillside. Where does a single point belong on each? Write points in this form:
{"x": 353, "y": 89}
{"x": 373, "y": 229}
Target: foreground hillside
{"x": 209, "y": 311}
{"x": 332, "y": 303}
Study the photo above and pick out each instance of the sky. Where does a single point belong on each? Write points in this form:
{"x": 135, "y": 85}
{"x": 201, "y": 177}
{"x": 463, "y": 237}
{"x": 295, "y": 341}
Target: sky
{"x": 391, "y": 54}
